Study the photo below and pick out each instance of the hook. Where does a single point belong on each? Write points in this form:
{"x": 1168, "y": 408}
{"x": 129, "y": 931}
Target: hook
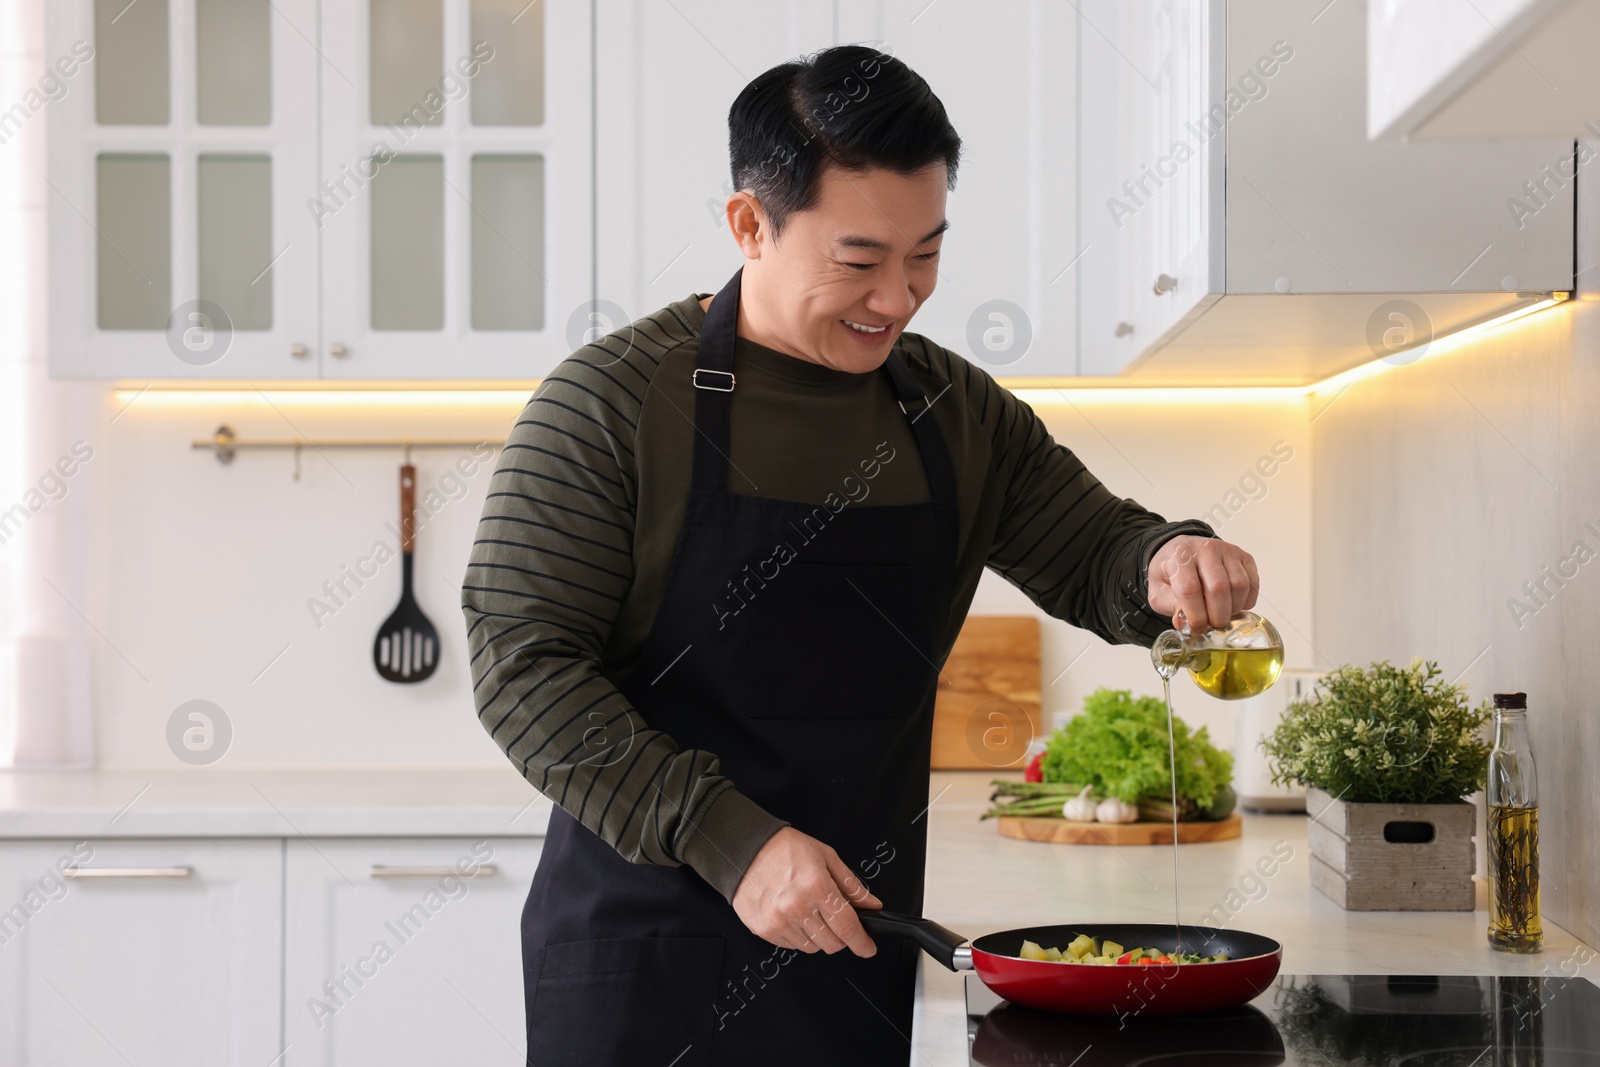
{"x": 297, "y": 443}
{"x": 408, "y": 452}
{"x": 222, "y": 442}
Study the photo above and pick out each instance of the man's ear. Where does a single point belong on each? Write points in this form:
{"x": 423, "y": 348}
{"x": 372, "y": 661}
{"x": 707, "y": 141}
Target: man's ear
{"x": 747, "y": 222}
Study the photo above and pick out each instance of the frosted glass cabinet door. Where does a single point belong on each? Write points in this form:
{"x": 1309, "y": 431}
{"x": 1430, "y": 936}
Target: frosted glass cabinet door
{"x": 132, "y": 82}
{"x": 233, "y": 62}
{"x": 182, "y": 161}
{"x": 407, "y": 263}
{"x": 235, "y": 236}
{"x": 456, "y": 222}
{"x": 133, "y": 220}
{"x": 507, "y": 242}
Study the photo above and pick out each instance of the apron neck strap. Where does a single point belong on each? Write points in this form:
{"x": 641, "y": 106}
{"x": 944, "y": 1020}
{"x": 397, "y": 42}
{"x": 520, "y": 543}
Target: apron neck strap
{"x": 713, "y": 404}
{"x": 930, "y": 442}
{"x": 713, "y": 394}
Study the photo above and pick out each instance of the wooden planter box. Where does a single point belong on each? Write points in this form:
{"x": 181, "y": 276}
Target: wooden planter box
{"x": 1392, "y": 857}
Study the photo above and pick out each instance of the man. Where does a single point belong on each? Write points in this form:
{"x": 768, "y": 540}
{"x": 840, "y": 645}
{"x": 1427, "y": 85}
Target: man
{"x": 725, "y": 550}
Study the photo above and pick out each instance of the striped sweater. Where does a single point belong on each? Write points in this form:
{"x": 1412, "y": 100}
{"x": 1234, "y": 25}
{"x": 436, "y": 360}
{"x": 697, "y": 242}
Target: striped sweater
{"x": 573, "y": 550}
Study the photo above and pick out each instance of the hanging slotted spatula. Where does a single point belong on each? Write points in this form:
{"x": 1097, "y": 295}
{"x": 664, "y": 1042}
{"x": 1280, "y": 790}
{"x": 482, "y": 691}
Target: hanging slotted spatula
{"x": 407, "y": 646}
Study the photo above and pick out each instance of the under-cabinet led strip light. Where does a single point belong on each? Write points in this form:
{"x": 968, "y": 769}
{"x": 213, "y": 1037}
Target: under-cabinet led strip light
{"x": 435, "y": 396}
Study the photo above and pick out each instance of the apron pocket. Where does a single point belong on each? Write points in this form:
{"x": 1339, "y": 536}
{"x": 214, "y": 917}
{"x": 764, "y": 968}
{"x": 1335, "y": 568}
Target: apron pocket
{"x": 625, "y": 1001}
{"x": 838, "y": 642}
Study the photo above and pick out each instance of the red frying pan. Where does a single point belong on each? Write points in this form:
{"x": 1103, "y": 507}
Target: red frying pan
{"x": 1101, "y": 989}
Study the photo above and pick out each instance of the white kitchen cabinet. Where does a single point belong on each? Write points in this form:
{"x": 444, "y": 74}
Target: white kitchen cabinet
{"x": 1005, "y": 76}
{"x": 1482, "y": 71}
{"x": 175, "y": 178}
{"x": 1151, "y": 174}
{"x": 469, "y": 251}
{"x": 1008, "y": 271}
{"x": 1229, "y": 142}
{"x": 675, "y": 67}
{"x": 160, "y": 951}
{"x": 388, "y": 189}
{"x": 395, "y": 956}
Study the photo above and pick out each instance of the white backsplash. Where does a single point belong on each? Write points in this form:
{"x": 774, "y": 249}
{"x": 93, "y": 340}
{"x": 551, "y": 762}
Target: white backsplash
{"x": 1452, "y": 498}
{"x": 239, "y": 585}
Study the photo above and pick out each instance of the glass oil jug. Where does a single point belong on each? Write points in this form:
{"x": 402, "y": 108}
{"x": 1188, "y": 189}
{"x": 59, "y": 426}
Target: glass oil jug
{"x": 1241, "y": 660}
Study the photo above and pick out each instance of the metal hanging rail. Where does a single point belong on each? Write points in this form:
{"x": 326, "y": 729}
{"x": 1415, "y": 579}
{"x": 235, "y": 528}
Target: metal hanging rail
{"x": 224, "y": 445}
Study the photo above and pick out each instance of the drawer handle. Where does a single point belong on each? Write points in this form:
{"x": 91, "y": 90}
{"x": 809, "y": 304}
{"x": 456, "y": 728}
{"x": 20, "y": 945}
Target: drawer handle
{"x": 378, "y": 870}
{"x": 128, "y": 872}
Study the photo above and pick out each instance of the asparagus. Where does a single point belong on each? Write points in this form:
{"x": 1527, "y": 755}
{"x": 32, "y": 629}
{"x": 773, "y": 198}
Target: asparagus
{"x": 1046, "y": 798}
{"x": 1007, "y": 787}
{"x": 1028, "y": 798}
{"x": 1048, "y": 805}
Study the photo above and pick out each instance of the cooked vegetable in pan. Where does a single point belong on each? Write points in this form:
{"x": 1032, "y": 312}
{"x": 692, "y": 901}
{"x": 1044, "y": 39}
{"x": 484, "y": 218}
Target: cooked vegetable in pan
{"x": 1085, "y": 949}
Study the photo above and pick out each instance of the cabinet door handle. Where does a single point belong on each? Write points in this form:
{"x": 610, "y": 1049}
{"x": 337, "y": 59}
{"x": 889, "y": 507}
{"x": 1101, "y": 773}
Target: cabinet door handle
{"x": 378, "y": 870}
{"x": 298, "y": 350}
{"x": 1165, "y": 283}
{"x": 1124, "y": 329}
{"x": 338, "y": 349}
{"x": 128, "y": 872}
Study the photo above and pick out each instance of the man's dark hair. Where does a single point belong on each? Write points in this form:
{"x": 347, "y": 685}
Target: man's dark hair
{"x": 852, "y": 107}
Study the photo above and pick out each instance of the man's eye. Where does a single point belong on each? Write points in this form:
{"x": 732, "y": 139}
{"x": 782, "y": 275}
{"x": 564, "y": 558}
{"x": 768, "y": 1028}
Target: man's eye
{"x": 861, "y": 266}
{"x": 929, "y": 255}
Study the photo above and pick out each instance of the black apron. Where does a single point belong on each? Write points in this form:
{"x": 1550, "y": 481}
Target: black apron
{"x": 812, "y": 634}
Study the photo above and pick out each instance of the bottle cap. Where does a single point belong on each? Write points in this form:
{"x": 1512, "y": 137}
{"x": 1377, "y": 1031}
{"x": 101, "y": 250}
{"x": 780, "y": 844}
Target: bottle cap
{"x": 1511, "y": 700}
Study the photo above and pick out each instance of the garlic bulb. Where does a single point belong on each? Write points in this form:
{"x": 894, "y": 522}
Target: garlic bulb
{"x": 1113, "y": 810}
{"x": 1080, "y": 808}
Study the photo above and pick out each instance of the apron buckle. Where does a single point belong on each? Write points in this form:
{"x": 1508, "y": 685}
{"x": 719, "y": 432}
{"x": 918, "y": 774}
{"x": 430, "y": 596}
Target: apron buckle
{"x": 695, "y": 377}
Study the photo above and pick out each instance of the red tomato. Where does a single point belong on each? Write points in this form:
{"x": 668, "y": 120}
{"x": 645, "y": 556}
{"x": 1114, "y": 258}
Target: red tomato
{"x": 1035, "y": 770}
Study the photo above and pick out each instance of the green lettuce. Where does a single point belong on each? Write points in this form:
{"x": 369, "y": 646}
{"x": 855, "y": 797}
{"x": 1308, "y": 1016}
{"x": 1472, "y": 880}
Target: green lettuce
{"x": 1118, "y": 745}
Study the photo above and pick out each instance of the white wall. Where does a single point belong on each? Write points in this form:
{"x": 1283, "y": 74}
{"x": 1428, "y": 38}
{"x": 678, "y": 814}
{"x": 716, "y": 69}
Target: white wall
{"x": 202, "y": 572}
{"x": 1448, "y": 492}
{"x": 1181, "y": 458}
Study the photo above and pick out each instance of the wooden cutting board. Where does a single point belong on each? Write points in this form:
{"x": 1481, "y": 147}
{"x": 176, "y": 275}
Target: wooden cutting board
{"x": 1069, "y": 832}
{"x": 987, "y": 709}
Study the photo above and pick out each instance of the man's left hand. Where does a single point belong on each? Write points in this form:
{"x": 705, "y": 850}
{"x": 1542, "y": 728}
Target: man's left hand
{"x": 1208, "y": 580}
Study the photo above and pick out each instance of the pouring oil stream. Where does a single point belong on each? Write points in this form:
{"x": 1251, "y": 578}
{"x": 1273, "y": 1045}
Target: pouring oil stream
{"x": 1172, "y": 758}
{"x": 1167, "y": 666}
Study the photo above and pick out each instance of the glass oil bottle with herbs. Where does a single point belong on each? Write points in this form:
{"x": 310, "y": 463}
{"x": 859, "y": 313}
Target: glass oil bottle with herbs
{"x": 1512, "y": 801}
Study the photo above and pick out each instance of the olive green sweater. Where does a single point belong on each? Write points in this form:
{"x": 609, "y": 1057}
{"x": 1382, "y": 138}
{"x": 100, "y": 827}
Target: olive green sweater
{"x": 577, "y": 535}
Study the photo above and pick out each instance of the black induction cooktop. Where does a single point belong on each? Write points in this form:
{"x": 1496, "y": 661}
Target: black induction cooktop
{"x": 1316, "y": 1020}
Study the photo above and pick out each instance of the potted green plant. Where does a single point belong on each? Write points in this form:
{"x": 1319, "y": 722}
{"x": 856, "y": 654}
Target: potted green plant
{"x": 1388, "y": 754}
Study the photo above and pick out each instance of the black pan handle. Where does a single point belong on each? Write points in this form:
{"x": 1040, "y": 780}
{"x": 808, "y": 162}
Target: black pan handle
{"x": 946, "y": 946}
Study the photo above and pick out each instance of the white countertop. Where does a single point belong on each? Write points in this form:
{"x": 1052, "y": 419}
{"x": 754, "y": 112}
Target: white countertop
{"x": 491, "y": 802}
{"x": 979, "y": 882}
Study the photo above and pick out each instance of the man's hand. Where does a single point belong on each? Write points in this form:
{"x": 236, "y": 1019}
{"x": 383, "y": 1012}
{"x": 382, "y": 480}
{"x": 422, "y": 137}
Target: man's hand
{"x": 1208, "y": 580}
{"x": 797, "y": 893}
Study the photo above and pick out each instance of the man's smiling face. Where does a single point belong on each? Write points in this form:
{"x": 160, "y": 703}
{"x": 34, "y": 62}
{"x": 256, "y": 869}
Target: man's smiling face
{"x": 845, "y": 276}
